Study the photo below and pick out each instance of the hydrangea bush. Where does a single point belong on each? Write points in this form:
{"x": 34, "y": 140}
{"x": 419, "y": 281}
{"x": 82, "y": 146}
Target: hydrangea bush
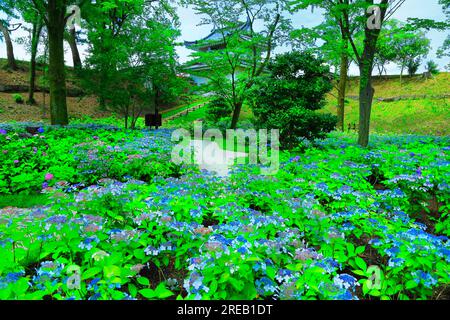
{"x": 336, "y": 222}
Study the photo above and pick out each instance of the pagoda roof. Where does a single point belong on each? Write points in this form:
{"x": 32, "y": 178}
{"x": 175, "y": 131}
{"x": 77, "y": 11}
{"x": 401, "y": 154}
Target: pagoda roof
{"x": 216, "y": 35}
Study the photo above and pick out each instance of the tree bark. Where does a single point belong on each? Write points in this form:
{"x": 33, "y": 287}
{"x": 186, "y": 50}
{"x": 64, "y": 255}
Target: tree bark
{"x": 366, "y": 90}
{"x": 36, "y": 32}
{"x": 366, "y": 63}
{"x": 236, "y": 113}
{"x": 401, "y": 74}
{"x": 56, "y": 71}
{"x": 342, "y": 86}
{"x": 366, "y": 93}
{"x": 72, "y": 40}
{"x": 126, "y": 117}
{"x": 12, "y": 65}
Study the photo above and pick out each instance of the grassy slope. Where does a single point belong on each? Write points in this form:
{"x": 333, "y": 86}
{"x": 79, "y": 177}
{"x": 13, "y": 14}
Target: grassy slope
{"x": 189, "y": 118}
{"x": 178, "y": 109}
{"x": 392, "y": 87}
{"x": 423, "y": 116}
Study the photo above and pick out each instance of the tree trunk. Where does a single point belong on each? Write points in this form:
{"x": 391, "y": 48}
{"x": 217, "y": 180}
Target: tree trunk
{"x": 380, "y": 70}
{"x": 126, "y": 118}
{"x": 236, "y": 113}
{"x": 366, "y": 62}
{"x": 36, "y": 32}
{"x": 72, "y": 40}
{"x": 56, "y": 69}
{"x": 342, "y": 87}
{"x": 101, "y": 102}
{"x": 401, "y": 74}
{"x": 9, "y": 47}
{"x": 366, "y": 91}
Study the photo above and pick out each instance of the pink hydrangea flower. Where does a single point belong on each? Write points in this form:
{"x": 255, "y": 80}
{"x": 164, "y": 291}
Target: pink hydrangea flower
{"x": 49, "y": 176}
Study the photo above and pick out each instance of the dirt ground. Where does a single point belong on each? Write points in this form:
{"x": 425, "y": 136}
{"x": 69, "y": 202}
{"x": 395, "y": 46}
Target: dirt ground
{"x": 77, "y": 108}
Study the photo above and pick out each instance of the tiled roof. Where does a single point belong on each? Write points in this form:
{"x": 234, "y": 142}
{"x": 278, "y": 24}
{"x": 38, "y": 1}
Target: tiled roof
{"x": 217, "y": 34}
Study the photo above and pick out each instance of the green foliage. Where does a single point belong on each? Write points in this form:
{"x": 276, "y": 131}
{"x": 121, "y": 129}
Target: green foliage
{"x": 288, "y": 98}
{"x": 326, "y": 39}
{"x": 240, "y": 53}
{"x": 24, "y": 200}
{"x": 432, "y": 67}
{"x": 18, "y": 98}
{"x": 386, "y": 50}
{"x": 321, "y": 228}
{"x": 413, "y": 66}
{"x": 410, "y": 47}
{"x": 132, "y": 65}
{"x": 27, "y": 161}
{"x": 217, "y": 109}
{"x": 444, "y": 50}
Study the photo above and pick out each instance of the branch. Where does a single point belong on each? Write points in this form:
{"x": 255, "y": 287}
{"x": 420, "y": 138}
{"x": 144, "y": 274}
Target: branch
{"x": 41, "y": 10}
{"x": 269, "y": 45}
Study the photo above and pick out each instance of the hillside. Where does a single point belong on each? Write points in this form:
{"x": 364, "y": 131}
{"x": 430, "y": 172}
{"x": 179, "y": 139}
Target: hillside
{"x": 390, "y": 86}
{"x": 411, "y": 113}
{"x": 421, "y": 106}
{"x": 79, "y": 105}
{"x": 20, "y": 78}
{"x": 415, "y": 115}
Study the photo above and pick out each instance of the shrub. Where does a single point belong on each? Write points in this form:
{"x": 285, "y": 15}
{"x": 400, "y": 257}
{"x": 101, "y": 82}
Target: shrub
{"x": 413, "y": 66}
{"x": 18, "y": 98}
{"x": 432, "y": 67}
{"x": 217, "y": 109}
{"x": 288, "y": 98}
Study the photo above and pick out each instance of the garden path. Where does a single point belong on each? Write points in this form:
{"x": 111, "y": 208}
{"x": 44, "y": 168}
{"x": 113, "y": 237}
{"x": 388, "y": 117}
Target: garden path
{"x": 211, "y": 157}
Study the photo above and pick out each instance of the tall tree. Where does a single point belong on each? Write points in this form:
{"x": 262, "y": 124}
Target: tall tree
{"x": 386, "y": 52}
{"x": 32, "y": 16}
{"x": 444, "y": 51}
{"x": 7, "y": 8}
{"x": 409, "y": 46}
{"x": 131, "y": 61}
{"x": 37, "y": 25}
{"x": 334, "y": 43}
{"x": 371, "y": 17}
{"x": 71, "y": 38}
{"x": 245, "y": 52}
{"x": 55, "y": 16}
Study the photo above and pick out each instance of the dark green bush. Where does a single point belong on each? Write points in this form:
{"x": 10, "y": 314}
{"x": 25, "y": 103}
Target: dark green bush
{"x": 432, "y": 67}
{"x": 288, "y": 98}
{"x": 217, "y": 109}
{"x": 413, "y": 66}
{"x": 18, "y": 98}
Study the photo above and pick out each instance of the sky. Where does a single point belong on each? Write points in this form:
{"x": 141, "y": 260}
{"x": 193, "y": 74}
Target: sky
{"x": 190, "y": 30}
